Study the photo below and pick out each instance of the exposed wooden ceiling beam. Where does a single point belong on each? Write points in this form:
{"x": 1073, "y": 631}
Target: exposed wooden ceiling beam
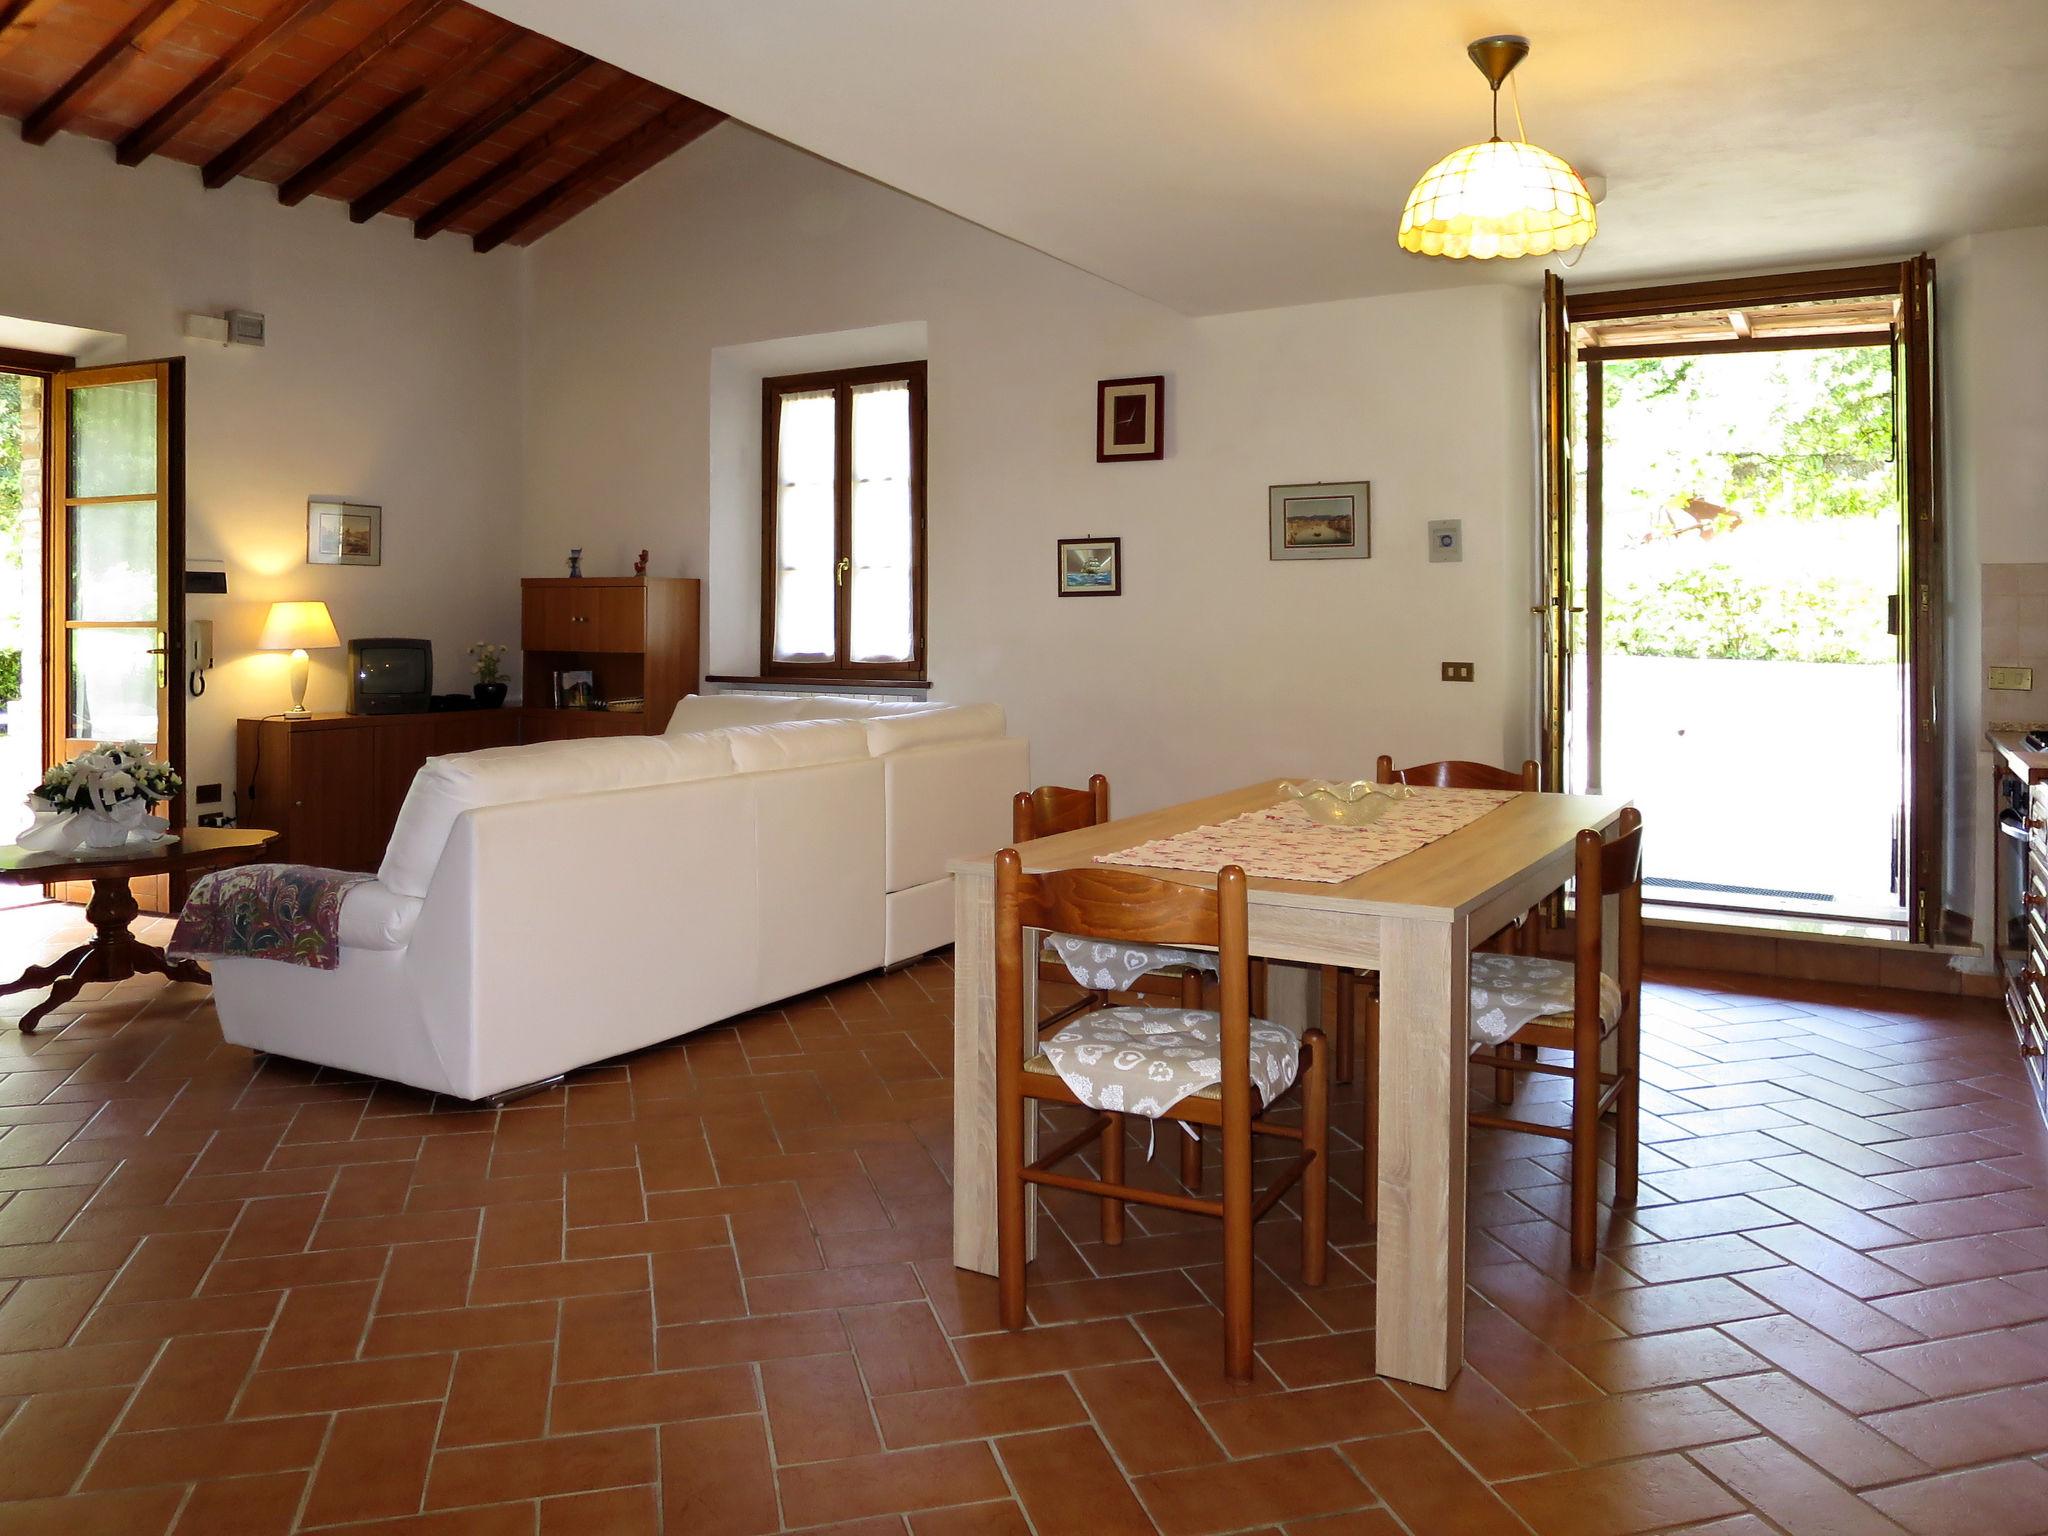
{"x": 662, "y": 134}
{"x": 293, "y": 115}
{"x": 148, "y": 24}
{"x": 218, "y": 78}
{"x": 451, "y": 147}
{"x": 18, "y": 20}
{"x": 594, "y": 113}
{"x": 367, "y": 135}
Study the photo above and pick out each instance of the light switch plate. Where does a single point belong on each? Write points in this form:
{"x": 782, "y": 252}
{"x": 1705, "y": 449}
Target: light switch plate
{"x": 1457, "y": 671}
{"x": 2015, "y": 679}
{"x": 1446, "y": 541}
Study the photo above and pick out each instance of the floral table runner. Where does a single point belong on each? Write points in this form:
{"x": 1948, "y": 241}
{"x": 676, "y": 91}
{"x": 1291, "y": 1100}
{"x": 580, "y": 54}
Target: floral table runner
{"x": 1283, "y": 842}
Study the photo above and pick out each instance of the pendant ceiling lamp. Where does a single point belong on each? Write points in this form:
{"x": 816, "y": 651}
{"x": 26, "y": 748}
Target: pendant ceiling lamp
{"x": 1500, "y": 198}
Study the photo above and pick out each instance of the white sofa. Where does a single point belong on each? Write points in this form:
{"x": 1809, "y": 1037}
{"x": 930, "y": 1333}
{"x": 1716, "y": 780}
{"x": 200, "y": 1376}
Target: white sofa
{"x": 540, "y": 908}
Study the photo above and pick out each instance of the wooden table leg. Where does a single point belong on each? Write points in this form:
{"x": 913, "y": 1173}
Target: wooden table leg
{"x": 114, "y": 954}
{"x": 974, "y": 1079}
{"x": 1425, "y": 1011}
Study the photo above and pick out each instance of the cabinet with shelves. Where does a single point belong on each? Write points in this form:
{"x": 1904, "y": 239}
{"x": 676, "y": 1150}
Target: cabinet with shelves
{"x": 637, "y": 636}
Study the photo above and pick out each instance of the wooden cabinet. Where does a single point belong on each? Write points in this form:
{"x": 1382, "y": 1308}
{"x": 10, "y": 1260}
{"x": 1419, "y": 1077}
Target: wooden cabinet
{"x": 332, "y": 784}
{"x": 637, "y": 637}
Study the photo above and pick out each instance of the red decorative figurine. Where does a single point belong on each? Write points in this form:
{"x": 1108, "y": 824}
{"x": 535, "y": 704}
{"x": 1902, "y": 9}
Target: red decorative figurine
{"x": 640, "y": 565}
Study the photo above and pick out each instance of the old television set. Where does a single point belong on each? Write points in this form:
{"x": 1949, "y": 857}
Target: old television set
{"x": 390, "y": 677}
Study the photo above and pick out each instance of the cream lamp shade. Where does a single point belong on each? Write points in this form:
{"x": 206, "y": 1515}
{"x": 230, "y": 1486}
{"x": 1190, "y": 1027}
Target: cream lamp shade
{"x": 1500, "y": 198}
{"x": 298, "y": 628}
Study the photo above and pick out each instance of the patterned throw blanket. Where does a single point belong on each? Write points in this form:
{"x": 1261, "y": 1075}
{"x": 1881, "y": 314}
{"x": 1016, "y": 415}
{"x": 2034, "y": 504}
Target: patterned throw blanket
{"x": 287, "y": 912}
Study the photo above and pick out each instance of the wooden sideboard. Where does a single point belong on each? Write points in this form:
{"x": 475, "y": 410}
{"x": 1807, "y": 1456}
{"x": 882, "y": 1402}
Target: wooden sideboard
{"x": 636, "y": 635}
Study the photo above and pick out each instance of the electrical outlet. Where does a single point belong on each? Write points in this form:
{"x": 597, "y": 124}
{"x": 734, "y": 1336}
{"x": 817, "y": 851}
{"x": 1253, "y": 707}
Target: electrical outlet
{"x": 213, "y": 819}
{"x": 1457, "y": 671}
{"x": 1446, "y": 541}
{"x": 2013, "y": 679}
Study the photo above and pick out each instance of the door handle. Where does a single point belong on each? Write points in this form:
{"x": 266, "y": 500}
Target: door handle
{"x": 160, "y": 650}
{"x": 840, "y": 570}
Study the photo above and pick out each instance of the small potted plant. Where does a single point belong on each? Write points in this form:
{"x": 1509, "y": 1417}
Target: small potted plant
{"x": 490, "y": 674}
{"x": 101, "y": 799}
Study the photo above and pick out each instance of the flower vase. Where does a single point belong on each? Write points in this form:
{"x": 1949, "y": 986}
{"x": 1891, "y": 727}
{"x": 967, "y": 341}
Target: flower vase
{"x": 98, "y": 830}
{"x": 489, "y": 695}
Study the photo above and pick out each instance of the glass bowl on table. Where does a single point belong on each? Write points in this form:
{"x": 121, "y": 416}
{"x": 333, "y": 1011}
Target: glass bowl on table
{"x": 1356, "y": 804}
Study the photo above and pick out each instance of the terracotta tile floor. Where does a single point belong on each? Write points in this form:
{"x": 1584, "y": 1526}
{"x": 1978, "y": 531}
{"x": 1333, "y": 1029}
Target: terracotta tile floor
{"x": 707, "y": 1291}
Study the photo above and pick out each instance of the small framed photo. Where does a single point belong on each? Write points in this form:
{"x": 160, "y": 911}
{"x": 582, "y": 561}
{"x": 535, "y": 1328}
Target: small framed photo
{"x": 343, "y": 532}
{"x": 1329, "y": 521}
{"x": 1130, "y": 419}
{"x": 576, "y": 689}
{"x": 1091, "y": 567}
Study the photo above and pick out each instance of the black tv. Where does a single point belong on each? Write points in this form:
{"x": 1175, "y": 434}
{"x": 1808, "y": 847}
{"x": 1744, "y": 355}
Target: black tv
{"x": 390, "y": 677}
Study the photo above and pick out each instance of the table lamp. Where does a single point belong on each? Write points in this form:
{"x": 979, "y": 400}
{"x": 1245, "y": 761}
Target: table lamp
{"x": 298, "y": 628}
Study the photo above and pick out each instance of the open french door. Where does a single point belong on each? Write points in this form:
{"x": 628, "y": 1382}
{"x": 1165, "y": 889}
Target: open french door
{"x": 1585, "y": 331}
{"x": 114, "y": 568}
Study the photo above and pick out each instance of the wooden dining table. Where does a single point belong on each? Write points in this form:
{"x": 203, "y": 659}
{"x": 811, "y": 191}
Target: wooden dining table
{"x": 1413, "y": 920}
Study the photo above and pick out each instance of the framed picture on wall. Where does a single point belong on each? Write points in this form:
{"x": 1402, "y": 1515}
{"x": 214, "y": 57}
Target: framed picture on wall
{"x": 343, "y": 532}
{"x": 1327, "y": 521}
{"x": 1091, "y": 567}
{"x": 1130, "y": 419}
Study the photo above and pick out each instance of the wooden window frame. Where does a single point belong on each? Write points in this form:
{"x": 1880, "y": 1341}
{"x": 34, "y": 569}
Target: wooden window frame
{"x": 841, "y": 381}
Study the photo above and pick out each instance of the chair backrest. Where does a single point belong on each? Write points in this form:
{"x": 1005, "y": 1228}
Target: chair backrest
{"x": 1605, "y": 869}
{"x": 1456, "y": 773}
{"x": 1122, "y": 905}
{"x": 1049, "y": 809}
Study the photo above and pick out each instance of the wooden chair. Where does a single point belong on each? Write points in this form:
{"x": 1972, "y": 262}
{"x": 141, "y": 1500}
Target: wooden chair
{"x": 1348, "y": 994}
{"x": 1580, "y": 1030}
{"x": 1125, "y": 906}
{"x": 1051, "y": 809}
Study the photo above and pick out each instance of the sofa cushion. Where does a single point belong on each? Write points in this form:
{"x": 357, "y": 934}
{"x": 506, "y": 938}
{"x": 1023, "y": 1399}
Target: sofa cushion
{"x": 932, "y": 725}
{"x": 715, "y": 711}
{"x": 445, "y": 787}
{"x": 795, "y": 744}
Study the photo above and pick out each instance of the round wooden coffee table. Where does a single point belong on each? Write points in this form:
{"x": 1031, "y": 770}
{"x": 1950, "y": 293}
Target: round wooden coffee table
{"x": 115, "y": 954}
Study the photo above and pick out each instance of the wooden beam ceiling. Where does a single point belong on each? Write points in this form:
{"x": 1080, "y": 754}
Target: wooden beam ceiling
{"x": 430, "y": 109}
{"x": 226, "y": 72}
{"x": 659, "y": 137}
{"x": 18, "y": 21}
{"x": 301, "y": 109}
{"x": 594, "y": 113}
{"x": 385, "y": 123}
{"x": 445, "y": 151}
{"x": 145, "y": 27}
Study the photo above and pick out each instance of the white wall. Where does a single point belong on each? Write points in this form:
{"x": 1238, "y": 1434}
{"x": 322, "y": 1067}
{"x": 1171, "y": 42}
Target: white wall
{"x": 391, "y": 375}
{"x": 1217, "y": 666}
{"x": 1992, "y": 313}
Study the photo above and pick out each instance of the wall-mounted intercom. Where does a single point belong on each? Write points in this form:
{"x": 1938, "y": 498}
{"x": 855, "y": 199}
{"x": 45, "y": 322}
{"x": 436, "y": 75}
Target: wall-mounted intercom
{"x": 198, "y": 654}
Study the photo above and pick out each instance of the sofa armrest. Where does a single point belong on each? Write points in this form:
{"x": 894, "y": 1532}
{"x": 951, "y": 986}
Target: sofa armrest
{"x": 373, "y": 916}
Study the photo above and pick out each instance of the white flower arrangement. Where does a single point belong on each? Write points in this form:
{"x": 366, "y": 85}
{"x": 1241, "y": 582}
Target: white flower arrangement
{"x": 489, "y": 661}
{"x": 101, "y": 799}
